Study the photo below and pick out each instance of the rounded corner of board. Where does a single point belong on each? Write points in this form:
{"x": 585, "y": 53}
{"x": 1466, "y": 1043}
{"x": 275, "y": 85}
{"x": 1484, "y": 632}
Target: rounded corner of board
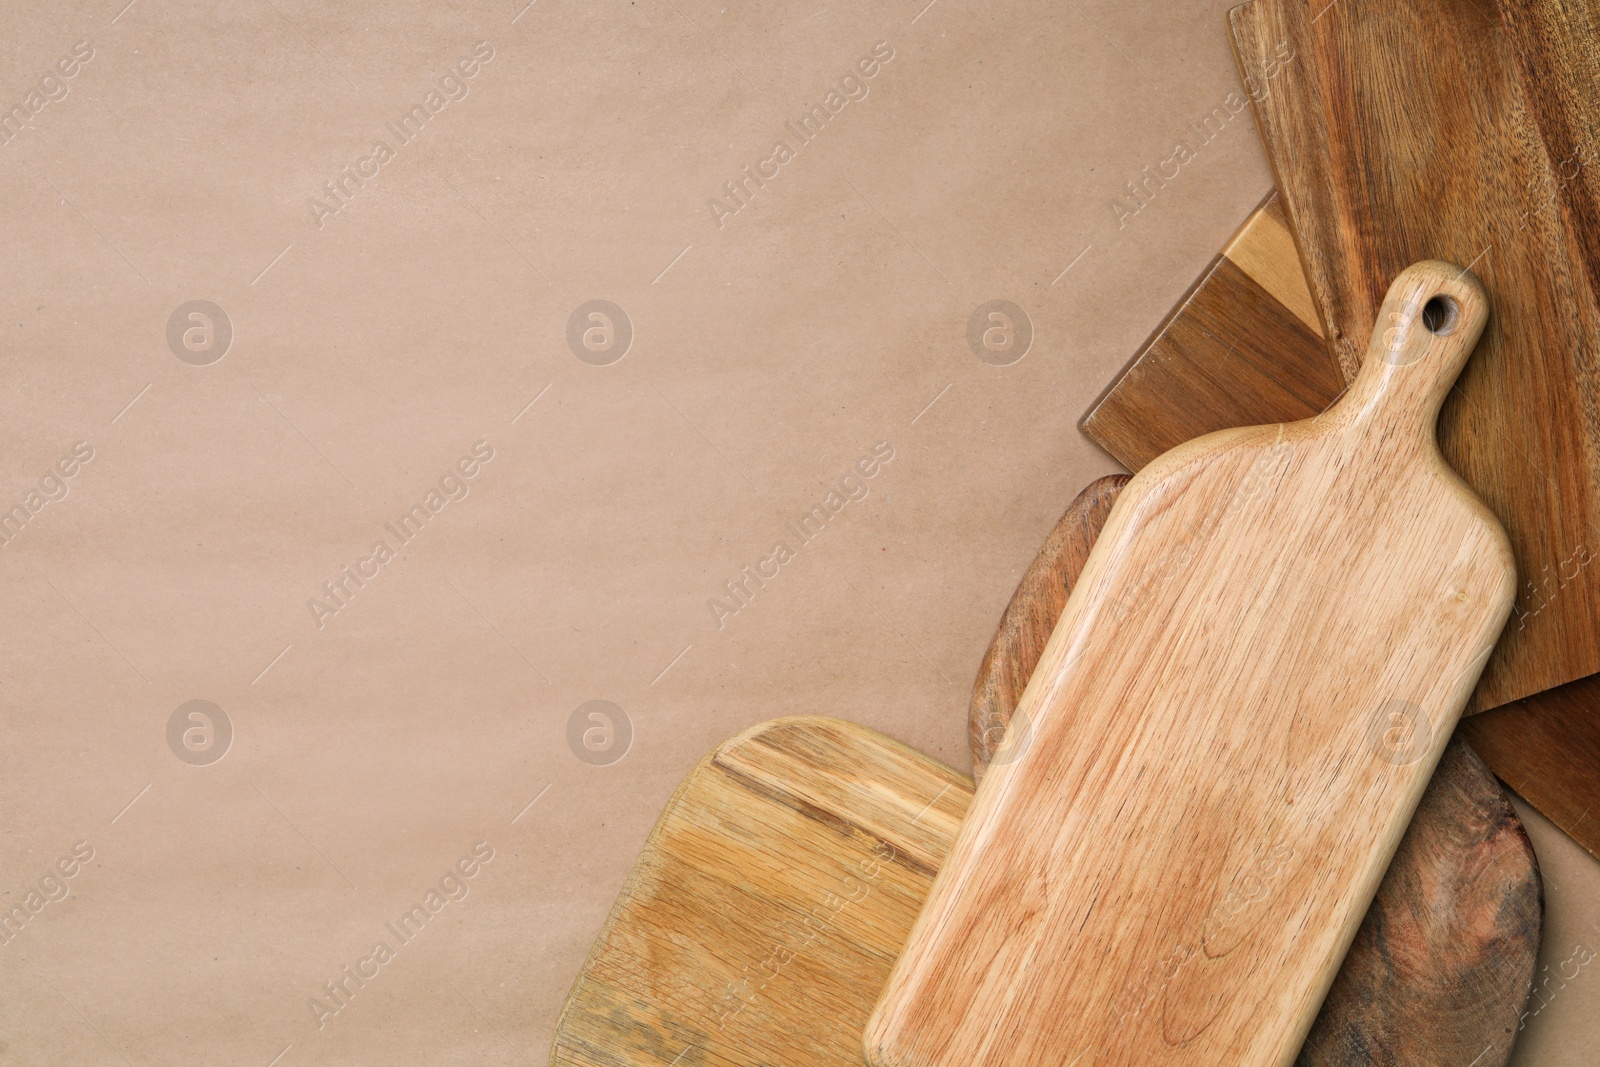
{"x": 877, "y": 1050}
{"x": 783, "y": 724}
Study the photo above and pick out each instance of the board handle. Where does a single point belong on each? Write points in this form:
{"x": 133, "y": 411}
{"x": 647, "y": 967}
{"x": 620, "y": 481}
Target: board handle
{"x": 1429, "y": 323}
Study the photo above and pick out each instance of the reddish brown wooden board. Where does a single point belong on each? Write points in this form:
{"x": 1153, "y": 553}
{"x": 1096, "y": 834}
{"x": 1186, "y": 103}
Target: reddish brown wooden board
{"x": 1547, "y": 748}
{"x": 1464, "y": 130}
{"x": 1242, "y": 347}
{"x": 1440, "y": 968}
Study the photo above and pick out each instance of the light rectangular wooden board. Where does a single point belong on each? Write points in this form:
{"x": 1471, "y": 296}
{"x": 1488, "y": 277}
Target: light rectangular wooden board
{"x": 1252, "y": 681}
{"x": 769, "y": 904}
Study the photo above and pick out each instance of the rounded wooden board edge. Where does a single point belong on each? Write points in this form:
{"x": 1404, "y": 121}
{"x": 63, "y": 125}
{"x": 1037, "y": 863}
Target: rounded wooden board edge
{"x": 1365, "y": 1017}
{"x": 1334, "y": 162}
{"x": 999, "y": 681}
{"x": 753, "y": 733}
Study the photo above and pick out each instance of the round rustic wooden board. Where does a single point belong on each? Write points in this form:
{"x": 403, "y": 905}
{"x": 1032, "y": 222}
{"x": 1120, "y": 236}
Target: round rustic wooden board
{"x": 1440, "y": 969}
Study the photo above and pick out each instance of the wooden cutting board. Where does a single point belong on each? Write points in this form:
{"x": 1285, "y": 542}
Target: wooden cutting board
{"x": 1439, "y": 972}
{"x": 1465, "y": 130}
{"x": 769, "y": 903}
{"x": 1263, "y": 659}
{"x": 1031, "y": 616}
{"x": 772, "y": 823}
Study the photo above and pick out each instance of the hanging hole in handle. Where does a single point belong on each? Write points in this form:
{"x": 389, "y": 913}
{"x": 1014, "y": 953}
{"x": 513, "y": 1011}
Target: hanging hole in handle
{"x": 1440, "y": 315}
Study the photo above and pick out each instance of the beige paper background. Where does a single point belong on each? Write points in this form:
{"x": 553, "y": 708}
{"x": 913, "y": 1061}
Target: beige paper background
{"x": 368, "y": 355}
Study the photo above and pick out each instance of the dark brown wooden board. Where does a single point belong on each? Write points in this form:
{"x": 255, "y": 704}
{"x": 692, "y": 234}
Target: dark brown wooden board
{"x": 1243, "y": 347}
{"x": 1445, "y": 129}
{"x": 1439, "y": 971}
{"x": 1547, "y": 748}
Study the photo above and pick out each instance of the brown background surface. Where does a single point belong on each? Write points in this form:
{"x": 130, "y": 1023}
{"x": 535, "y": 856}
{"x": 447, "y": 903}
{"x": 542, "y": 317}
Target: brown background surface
{"x": 368, "y": 355}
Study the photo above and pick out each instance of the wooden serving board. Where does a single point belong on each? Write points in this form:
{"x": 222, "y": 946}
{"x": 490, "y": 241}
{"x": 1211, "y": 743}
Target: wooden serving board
{"x": 1439, "y": 972}
{"x": 1262, "y": 662}
{"x": 1441, "y": 965}
{"x": 1546, "y": 746}
{"x": 774, "y": 894}
{"x": 1464, "y": 129}
{"x": 759, "y": 924}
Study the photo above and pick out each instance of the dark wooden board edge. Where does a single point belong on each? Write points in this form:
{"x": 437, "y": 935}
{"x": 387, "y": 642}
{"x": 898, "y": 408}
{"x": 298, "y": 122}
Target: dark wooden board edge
{"x": 1031, "y": 615}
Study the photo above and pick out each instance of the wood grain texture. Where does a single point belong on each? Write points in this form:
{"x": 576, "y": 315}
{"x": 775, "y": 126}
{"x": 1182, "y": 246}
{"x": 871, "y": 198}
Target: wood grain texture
{"x": 774, "y": 893}
{"x": 1439, "y": 971}
{"x": 1264, "y": 249}
{"x": 772, "y": 824}
{"x": 1464, "y": 129}
{"x": 1232, "y": 724}
{"x": 759, "y": 923}
{"x": 1232, "y": 352}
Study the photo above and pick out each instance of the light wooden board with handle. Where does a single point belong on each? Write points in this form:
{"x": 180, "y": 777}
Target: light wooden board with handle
{"x": 806, "y": 819}
{"x": 1465, "y": 130}
{"x": 1263, "y": 657}
{"x": 1238, "y": 350}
